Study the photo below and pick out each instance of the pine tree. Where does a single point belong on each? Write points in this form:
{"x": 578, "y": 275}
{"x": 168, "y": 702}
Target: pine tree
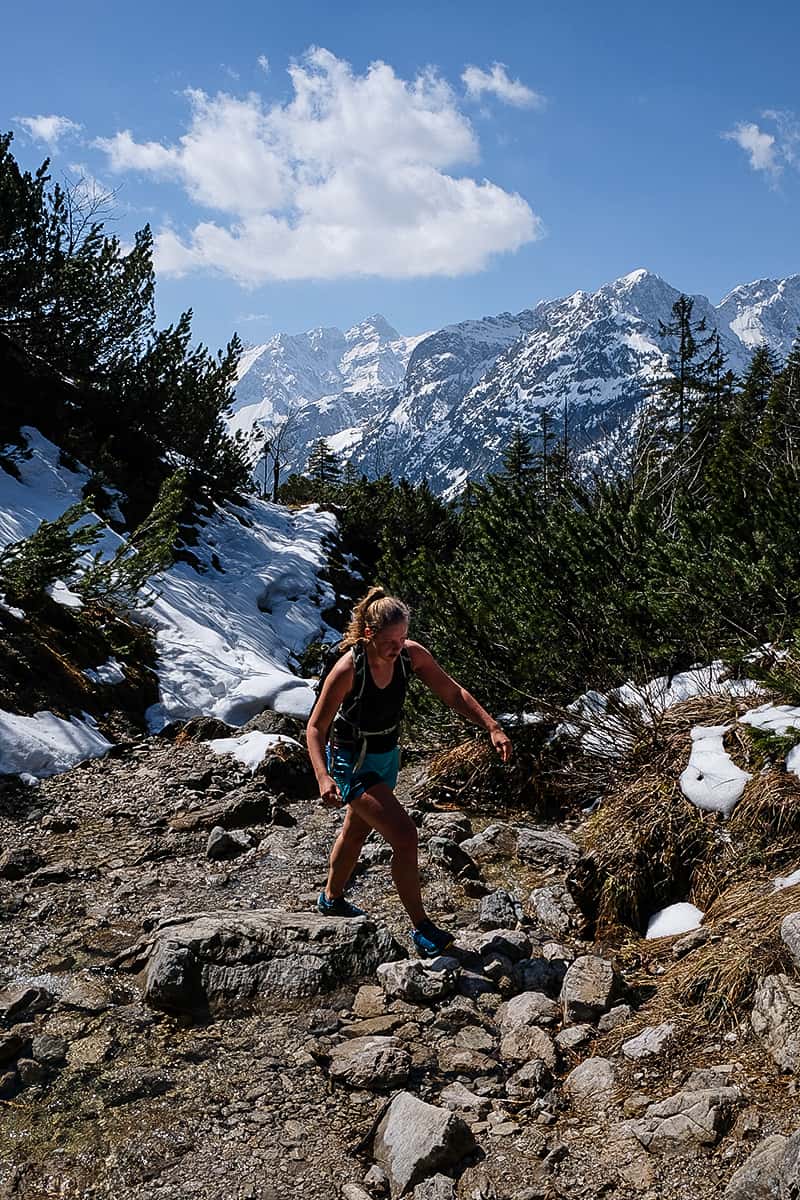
{"x": 324, "y": 468}
{"x": 519, "y": 459}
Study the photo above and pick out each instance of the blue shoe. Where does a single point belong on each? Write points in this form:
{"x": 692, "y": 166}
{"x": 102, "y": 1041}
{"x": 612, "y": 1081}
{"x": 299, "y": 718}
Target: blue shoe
{"x": 430, "y": 940}
{"x": 338, "y": 907}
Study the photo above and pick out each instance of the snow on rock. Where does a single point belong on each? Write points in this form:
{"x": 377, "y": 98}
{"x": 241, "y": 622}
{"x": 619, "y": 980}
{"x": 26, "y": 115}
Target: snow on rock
{"x": 674, "y": 919}
{"x": 784, "y": 881}
{"x": 107, "y": 672}
{"x": 45, "y": 744}
{"x": 606, "y": 723}
{"x": 712, "y": 781}
{"x": 250, "y": 748}
{"x": 225, "y": 638}
{"x": 773, "y": 718}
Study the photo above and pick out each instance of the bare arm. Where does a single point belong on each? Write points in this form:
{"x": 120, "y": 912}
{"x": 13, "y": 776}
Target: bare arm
{"x": 334, "y": 690}
{"x": 457, "y": 697}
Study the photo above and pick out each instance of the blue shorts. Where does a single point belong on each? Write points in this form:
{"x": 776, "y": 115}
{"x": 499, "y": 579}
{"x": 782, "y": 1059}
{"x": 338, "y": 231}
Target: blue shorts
{"x": 376, "y": 768}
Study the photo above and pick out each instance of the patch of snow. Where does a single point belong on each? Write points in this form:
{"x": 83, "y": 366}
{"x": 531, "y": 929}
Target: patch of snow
{"x": 784, "y": 881}
{"x": 45, "y": 744}
{"x": 250, "y": 748}
{"x": 712, "y": 781}
{"x": 774, "y": 718}
{"x": 14, "y": 612}
{"x": 793, "y": 760}
{"x": 674, "y": 919}
{"x": 603, "y": 720}
{"x": 107, "y": 672}
{"x": 225, "y": 638}
{"x": 62, "y": 595}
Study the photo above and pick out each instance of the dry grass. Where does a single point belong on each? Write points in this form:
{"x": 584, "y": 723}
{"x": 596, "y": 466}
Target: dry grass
{"x": 472, "y": 777}
{"x": 642, "y": 848}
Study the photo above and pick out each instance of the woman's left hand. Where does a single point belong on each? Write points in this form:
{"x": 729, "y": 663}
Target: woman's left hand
{"x": 502, "y": 743}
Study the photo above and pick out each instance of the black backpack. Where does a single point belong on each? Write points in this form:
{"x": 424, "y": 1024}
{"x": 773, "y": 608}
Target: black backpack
{"x": 359, "y": 654}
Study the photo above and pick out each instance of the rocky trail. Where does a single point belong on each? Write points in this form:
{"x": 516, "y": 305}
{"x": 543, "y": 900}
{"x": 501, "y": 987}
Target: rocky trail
{"x": 176, "y": 1020}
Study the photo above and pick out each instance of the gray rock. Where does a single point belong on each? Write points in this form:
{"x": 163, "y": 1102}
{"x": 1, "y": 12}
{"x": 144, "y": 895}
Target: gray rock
{"x": 227, "y": 843}
{"x": 776, "y": 1020}
{"x": 495, "y": 841}
{"x": 574, "y": 1037}
{"x": 651, "y": 1042}
{"x": 20, "y": 1003}
{"x": 590, "y": 986}
{"x": 555, "y": 910}
{"x": 224, "y": 962}
{"x": 18, "y": 861}
{"x": 351, "y": 1191}
{"x": 689, "y": 942}
{"x": 686, "y": 1119}
{"x": 415, "y": 1140}
{"x": 528, "y": 1008}
{"x": 512, "y": 943}
{"x": 49, "y": 1049}
{"x": 531, "y": 1081}
{"x": 472, "y": 1064}
{"x": 438, "y": 1187}
{"x": 499, "y": 910}
{"x": 592, "y": 1077}
{"x": 452, "y": 825}
{"x": 759, "y": 1177}
{"x": 789, "y": 1170}
{"x": 455, "y": 858}
{"x": 377, "y": 1180}
{"x": 526, "y": 1042}
{"x": 539, "y": 975}
{"x": 30, "y": 1071}
{"x": 790, "y": 934}
{"x": 546, "y": 848}
{"x": 419, "y": 981}
{"x": 370, "y": 1063}
{"x": 460, "y": 1099}
{"x": 473, "y": 985}
{"x": 615, "y": 1017}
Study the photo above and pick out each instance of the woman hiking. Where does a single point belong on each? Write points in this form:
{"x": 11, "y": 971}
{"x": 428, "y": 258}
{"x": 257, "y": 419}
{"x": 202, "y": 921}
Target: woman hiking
{"x": 358, "y": 715}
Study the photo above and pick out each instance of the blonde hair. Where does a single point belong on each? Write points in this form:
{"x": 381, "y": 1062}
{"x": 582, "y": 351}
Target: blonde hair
{"x": 376, "y": 610}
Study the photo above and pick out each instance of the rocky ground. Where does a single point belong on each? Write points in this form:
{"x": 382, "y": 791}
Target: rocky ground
{"x": 260, "y": 1051}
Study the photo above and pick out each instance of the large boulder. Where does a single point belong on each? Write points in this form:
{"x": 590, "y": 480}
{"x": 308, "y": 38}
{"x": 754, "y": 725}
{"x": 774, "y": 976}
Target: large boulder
{"x": 371, "y": 1063}
{"x": 759, "y": 1177}
{"x": 593, "y": 1077}
{"x": 546, "y": 848}
{"x": 590, "y": 987}
{"x": 686, "y": 1120}
{"x": 231, "y": 961}
{"x": 651, "y": 1042}
{"x": 555, "y": 910}
{"x": 419, "y": 981}
{"x": 495, "y": 841}
{"x": 776, "y": 1020}
{"x": 415, "y": 1140}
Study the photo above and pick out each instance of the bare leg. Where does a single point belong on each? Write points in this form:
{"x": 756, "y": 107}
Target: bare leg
{"x": 380, "y": 809}
{"x": 345, "y": 852}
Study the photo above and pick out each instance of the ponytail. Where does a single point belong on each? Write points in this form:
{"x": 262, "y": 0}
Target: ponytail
{"x": 376, "y": 610}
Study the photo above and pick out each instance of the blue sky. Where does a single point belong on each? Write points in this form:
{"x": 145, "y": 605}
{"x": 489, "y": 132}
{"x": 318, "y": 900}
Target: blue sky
{"x": 398, "y": 169}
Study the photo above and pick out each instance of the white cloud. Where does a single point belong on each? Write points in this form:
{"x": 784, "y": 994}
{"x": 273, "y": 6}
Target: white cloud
{"x": 349, "y": 177}
{"x": 769, "y": 152}
{"x": 263, "y": 62}
{"x": 759, "y": 146}
{"x": 497, "y": 82}
{"x": 50, "y": 129}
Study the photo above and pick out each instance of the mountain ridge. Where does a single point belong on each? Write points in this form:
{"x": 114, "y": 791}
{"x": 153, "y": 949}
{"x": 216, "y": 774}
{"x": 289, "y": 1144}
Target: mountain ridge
{"x": 441, "y": 406}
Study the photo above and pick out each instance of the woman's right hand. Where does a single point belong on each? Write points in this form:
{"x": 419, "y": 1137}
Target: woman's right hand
{"x": 329, "y": 793}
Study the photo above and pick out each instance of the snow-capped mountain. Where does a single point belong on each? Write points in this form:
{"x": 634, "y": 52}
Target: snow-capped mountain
{"x": 442, "y": 406}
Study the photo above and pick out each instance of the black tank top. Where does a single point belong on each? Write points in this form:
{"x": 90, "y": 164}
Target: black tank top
{"x": 377, "y": 715}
